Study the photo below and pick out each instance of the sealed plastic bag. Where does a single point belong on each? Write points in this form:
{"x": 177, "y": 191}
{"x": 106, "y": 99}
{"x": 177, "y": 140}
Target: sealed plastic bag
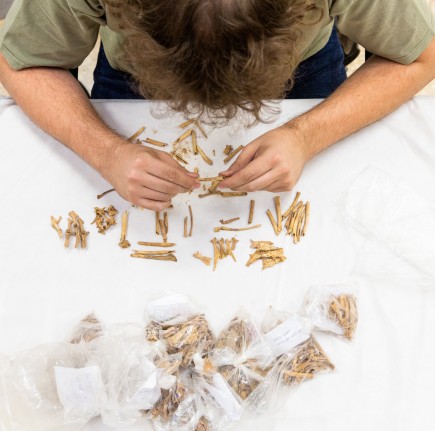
{"x": 130, "y": 375}
{"x": 222, "y": 407}
{"x": 179, "y": 407}
{"x": 51, "y": 387}
{"x": 241, "y": 355}
{"x": 303, "y": 362}
{"x": 179, "y": 326}
{"x": 87, "y": 330}
{"x": 333, "y": 308}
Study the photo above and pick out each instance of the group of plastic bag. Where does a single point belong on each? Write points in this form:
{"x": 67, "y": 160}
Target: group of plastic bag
{"x": 173, "y": 371}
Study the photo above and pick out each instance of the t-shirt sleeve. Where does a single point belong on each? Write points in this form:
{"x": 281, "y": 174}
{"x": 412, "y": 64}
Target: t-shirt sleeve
{"x": 399, "y": 30}
{"x": 51, "y": 33}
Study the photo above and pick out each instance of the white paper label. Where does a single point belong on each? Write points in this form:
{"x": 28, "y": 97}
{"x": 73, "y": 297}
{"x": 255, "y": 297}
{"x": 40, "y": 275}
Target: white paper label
{"x": 148, "y": 394}
{"x": 79, "y": 387}
{"x": 169, "y": 307}
{"x": 221, "y": 392}
{"x": 287, "y": 335}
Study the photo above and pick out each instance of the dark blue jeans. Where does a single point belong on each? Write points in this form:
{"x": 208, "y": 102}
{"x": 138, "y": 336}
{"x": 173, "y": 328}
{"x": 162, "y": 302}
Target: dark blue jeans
{"x": 316, "y": 77}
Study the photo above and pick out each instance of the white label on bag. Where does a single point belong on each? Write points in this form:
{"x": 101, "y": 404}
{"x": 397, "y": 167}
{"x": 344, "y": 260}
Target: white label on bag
{"x": 169, "y": 307}
{"x": 221, "y": 392}
{"x": 78, "y": 387}
{"x": 287, "y": 335}
{"x": 148, "y": 394}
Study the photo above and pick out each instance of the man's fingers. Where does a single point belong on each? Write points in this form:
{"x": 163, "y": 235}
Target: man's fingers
{"x": 166, "y": 158}
{"x": 263, "y": 182}
{"x": 252, "y": 171}
{"x": 147, "y": 193}
{"x": 244, "y": 158}
{"x": 161, "y": 185}
{"x": 172, "y": 174}
{"x": 153, "y": 205}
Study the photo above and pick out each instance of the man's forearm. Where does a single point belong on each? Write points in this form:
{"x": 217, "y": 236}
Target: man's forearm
{"x": 55, "y": 101}
{"x": 378, "y": 88}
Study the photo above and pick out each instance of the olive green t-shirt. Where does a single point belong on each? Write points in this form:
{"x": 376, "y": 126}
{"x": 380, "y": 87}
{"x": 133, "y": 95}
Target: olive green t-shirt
{"x": 61, "y": 33}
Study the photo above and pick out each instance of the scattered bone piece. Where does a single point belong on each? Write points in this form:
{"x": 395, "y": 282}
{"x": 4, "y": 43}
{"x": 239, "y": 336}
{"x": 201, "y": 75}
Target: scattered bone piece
{"x": 209, "y": 179}
{"x": 123, "y": 243}
{"x": 156, "y": 143}
{"x": 156, "y": 256}
{"x": 194, "y": 143}
{"x": 178, "y": 157}
{"x": 205, "y": 259}
{"x": 186, "y": 124}
{"x": 223, "y": 248}
{"x": 105, "y": 193}
{"x": 278, "y": 213}
{"x": 55, "y": 225}
{"x": 133, "y": 137}
{"x": 231, "y": 220}
{"x": 198, "y": 125}
{"x": 216, "y": 252}
{"x": 213, "y": 186}
{"x": 228, "y": 149}
{"x": 76, "y": 228}
{"x": 273, "y": 222}
{"x": 267, "y": 253}
{"x": 251, "y": 211}
{"x": 232, "y": 194}
{"x": 233, "y": 153}
{"x": 234, "y": 229}
{"x": 204, "y": 156}
{"x": 287, "y": 213}
{"x": 157, "y": 244}
{"x": 307, "y": 218}
{"x": 157, "y": 213}
{"x": 104, "y": 218}
{"x": 186, "y": 219}
{"x": 184, "y": 136}
{"x": 191, "y": 220}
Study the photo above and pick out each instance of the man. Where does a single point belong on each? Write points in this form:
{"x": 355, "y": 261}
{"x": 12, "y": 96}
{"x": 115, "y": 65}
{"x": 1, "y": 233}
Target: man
{"x": 219, "y": 57}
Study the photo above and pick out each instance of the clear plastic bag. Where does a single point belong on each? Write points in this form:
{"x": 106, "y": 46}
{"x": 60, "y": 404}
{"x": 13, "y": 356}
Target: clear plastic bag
{"x": 333, "y": 308}
{"x": 241, "y": 355}
{"x": 179, "y": 407}
{"x": 386, "y": 210}
{"x": 131, "y": 377}
{"x": 87, "y": 330}
{"x": 177, "y": 323}
{"x": 50, "y": 387}
{"x": 302, "y": 363}
{"x": 286, "y": 333}
{"x": 221, "y": 406}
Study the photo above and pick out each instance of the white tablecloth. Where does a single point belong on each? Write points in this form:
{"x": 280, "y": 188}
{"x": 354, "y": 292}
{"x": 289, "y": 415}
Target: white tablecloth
{"x": 384, "y": 380}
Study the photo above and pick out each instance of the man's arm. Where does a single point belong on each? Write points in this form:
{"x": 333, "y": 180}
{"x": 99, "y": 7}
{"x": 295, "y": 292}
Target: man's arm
{"x": 55, "y": 101}
{"x": 274, "y": 161}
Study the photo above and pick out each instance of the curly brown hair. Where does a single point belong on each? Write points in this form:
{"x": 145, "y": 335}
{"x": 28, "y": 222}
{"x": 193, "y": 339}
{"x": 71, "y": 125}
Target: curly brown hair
{"x": 213, "y": 56}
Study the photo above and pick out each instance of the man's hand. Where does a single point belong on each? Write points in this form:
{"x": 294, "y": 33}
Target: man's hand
{"x": 146, "y": 177}
{"x": 272, "y": 162}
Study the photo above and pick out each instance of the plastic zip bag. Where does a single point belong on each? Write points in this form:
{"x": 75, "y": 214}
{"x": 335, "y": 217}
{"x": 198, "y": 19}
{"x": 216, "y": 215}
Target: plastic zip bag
{"x": 222, "y": 407}
{"x": 241, "y": 355}
{"x": 333, "y": 308}
{"x": 50, "y": 387}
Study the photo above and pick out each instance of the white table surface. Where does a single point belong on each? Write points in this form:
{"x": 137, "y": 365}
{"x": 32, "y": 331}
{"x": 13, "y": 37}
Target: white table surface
{"x": 384, "y": 380}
